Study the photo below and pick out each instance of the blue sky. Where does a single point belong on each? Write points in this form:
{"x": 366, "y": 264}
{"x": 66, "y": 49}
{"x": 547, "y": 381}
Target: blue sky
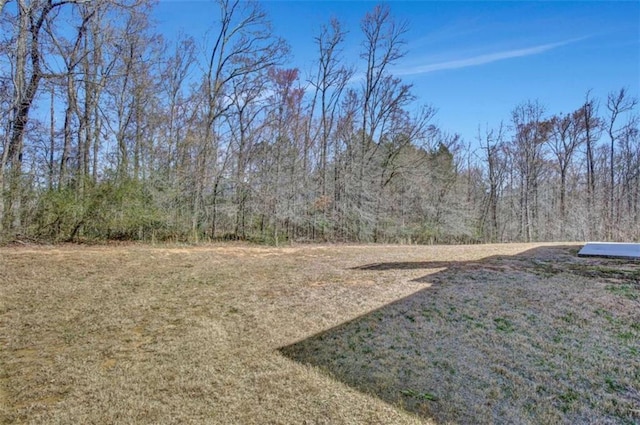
{"x": 473, "y": 61}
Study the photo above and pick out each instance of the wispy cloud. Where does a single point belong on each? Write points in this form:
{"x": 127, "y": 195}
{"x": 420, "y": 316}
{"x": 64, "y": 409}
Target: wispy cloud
{"x": 484, "y": 59}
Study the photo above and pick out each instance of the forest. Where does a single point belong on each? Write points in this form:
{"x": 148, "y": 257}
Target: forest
{"x": 110, "y": 132}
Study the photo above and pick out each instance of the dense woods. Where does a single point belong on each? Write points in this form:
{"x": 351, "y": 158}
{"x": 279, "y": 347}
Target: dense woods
{"x": 108, "y": 131}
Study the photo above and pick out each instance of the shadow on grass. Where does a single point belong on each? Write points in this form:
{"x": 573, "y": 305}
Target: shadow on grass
{"x": 411, "y": 265}
{"x": 479, "y": 346}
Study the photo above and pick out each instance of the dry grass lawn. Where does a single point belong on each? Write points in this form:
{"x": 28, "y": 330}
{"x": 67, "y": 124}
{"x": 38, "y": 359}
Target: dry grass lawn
{"x": 236, "y": 334}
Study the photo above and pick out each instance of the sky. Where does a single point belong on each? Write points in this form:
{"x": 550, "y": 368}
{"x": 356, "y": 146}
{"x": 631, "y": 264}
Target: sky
{"x": 473, "y": 61}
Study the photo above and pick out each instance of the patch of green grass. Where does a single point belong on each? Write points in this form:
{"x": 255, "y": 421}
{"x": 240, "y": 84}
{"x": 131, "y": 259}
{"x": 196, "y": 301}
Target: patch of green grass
{"x": 430, "y": 313}
{"x": 445, "y": 365}
{"x": 419, "y": 395}
{"x": 568, "y": 398}
{"x": 628, "y": 291}
{"x": 569, "y": 318}
{"x": 612, "y": 385}
{"x": 606, "y": 272}
{"x": 503, "y": 325}
{"x": 626, "y": 336}
{"x": 473, "y": 321}
{"x": 544, "y": 269}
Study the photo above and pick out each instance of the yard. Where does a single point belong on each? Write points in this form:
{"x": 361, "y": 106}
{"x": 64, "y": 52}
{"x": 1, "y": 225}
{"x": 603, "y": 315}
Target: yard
{"x": 332, "y": 334}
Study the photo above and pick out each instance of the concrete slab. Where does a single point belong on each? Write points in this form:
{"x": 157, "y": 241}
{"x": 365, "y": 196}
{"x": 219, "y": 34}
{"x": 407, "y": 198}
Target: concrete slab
{"x": 611, "y": 250}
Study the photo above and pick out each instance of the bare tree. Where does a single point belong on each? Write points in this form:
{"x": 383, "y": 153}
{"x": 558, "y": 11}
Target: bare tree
{"x": 382, "y": 94}
{"x": 70, "y": 50}
{"x": 286, "y": 134}
{"x": 492, "y": 145}
{"x": 402, "y": 132}
{"x": 629, "y": 170}
{"x": 567, "y": 134}
{"x": 345, "y": 165}
{"x": 592, "y": 129}
{"x": 127, "y": 89}
{"x": 173, "y": 84}
{"x": 330, "y": 81}
{"x": 243, "y": 44}
{"x": 617, "y": 104}
{"x": 244, "y": 126}
{"x": 531, "y": 131}
{"x": 28, "y": 72}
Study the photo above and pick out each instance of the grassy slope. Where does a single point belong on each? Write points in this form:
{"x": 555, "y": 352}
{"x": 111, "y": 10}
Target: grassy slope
{"x": 335, "y": 334}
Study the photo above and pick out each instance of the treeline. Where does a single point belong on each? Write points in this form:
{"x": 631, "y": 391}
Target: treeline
{"x": 110, "y": 132}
